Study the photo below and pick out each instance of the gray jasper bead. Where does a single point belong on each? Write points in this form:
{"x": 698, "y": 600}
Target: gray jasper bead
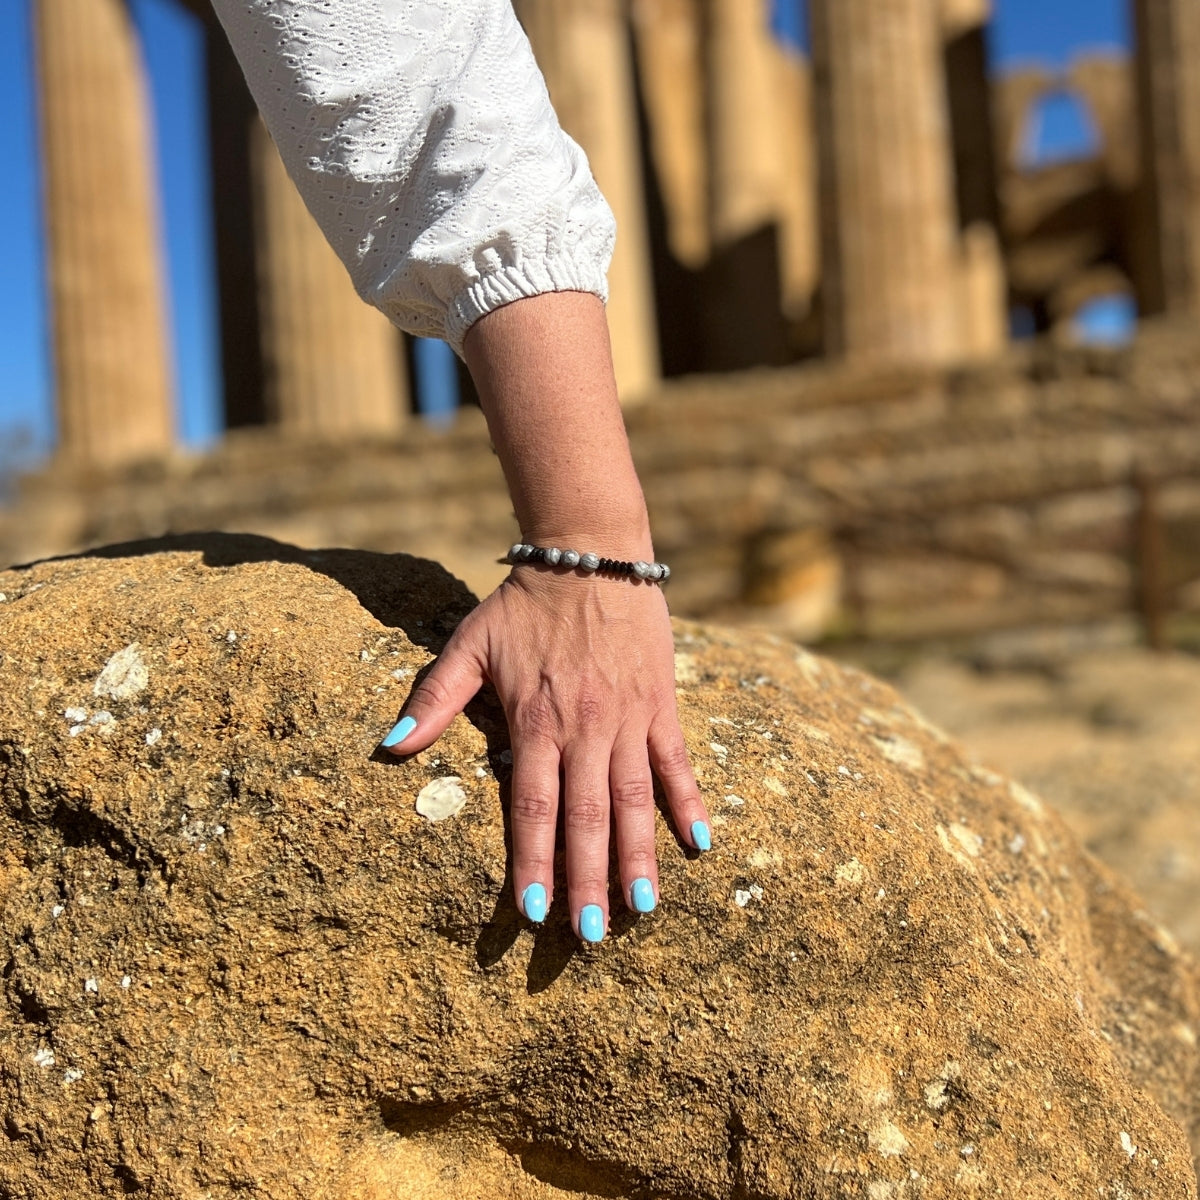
{"x": 552, "y": 555}
{"x": 527, "y": 552}
{"x": 666, "y": 573}
{"x": 515, "y": 552}
{"x": 655, "y": 571}
{"x": 589, "y": 562}
{"x": 570, "y": 558}
{"x": 642, "y": 569}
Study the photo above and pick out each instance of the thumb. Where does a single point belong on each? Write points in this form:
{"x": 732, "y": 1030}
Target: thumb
{"x": 445, "y": 691}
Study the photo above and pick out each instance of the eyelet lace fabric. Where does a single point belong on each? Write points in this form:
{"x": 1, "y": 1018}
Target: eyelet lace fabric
{"x": 421, "y": 136}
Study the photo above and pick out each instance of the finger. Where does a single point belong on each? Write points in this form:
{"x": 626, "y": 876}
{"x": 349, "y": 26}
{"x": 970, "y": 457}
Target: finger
{"x": 632, "y": 788}
{"x": 587, "y": 812}
{"x": 534, "y": 816}
{"x": 445, "y": 691}
{"x": 669, "y": 758}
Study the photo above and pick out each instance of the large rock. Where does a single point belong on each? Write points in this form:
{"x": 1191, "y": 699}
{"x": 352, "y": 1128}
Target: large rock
{"x": 237, "y": 960}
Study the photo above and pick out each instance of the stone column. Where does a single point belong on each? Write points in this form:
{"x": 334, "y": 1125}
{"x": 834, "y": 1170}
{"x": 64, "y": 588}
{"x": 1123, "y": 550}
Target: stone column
{"x": 105, "y": 273}
{"x": 747, "y": 128}
{"x": 983, "y": 283}
{"x": 583, "y": 49}
{"x": 799, "y": 222}
{"x": 888, "y": 227}
{"x": 671, "y": 72}
{"x": 745, "y": 179}
{"x": 332, "y": 364}
{"x": 1168, "y": 70}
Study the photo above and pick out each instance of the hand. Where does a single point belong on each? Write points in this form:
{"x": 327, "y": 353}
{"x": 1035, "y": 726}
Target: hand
{"x": 585, "y": 671}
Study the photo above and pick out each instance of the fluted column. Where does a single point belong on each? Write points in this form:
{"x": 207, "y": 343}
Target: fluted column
{"x": 583, "y": 50}
{"x": 105, "y": 273}
{"x": 983, "y": 285}
{"x": 799, "y": 223}
{"x": 332, "y": 364}
{"x": 671, "y": 70}
{"x": 744, "y": 180}
{"x": 1168, "y": 70}
{"x": 888, "y": 244}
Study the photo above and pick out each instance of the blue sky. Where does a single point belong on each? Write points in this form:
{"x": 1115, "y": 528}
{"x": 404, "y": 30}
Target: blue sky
{"x": 1023, "y": 31}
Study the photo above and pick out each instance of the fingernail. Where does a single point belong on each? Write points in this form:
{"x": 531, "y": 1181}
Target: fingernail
{"x": 533, "y": 902}
{"x": 400, "y": 731}
{"x": 642, "y": 895}
{"x": 591, "y": 923}
{"x": 701, "y": 838}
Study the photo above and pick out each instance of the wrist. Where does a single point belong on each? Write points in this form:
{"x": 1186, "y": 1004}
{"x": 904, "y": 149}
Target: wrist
{"x": 592, "y": 537}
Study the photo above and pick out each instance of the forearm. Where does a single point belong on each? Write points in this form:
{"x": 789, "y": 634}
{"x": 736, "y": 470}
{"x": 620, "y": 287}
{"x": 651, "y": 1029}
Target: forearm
{"x": 543, "y": 369}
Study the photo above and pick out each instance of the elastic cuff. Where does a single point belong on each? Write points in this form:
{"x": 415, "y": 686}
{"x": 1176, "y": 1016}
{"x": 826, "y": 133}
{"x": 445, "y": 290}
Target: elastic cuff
{"x": 532, "y": 278}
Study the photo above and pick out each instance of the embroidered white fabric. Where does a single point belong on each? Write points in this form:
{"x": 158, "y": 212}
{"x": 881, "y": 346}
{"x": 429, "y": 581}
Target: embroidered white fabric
{"x": 421, "y": 136}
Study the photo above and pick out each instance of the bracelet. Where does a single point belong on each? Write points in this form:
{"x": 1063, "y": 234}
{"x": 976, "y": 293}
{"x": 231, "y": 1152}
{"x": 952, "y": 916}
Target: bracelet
{"x": 552, "y": 556}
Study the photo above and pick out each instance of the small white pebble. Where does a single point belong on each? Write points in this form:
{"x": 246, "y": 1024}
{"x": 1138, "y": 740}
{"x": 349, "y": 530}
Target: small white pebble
{"x": 736, "y": 801}
{"x": 231, "y": 636}
{"x": 1127, "y": 1144}
{"x": 153, "y": 736}
{"x": 401, "y": 672}
{"x": 879, "y": 895}
{"x": 441, "y": 799}
{"x": 76, "y": 730}
{"x": 741, "y": 898}
{"x": 43, "y": 1057}
{"x": 756, "y": 892}
{"x": 218, "y": 830}
{"x": 72, "y": 1075}
{"x": 96, "y": 1113}
{"x": 364, "y": 655}
{"x": 103, "y": 717}
{"x": 719, "y": 750}
{"x": 1017, "y": 844}
{"x": 967, "y": 1150}
{"x": 91, "y": 985}
{"x": 3, "y": 597}
{"x": 480, "y": 773}
{"x": 202, "y": 847}
{"x": 57, "y": 910}
{"x": 844, "y": 770}
{"x": 125, "y": 981}
{"x": 75, "y": 715}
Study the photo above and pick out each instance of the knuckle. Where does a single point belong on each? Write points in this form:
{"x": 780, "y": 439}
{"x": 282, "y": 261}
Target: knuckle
{"x": 632, "y": 793}
{"x": 673, "y": 762}
{"x": 589, "y": 708}
{"x": 587, "y": 815}
{"x": 433, "y": 692}
{"x": 537, "y": 718}
{"x": 534, "y": 806}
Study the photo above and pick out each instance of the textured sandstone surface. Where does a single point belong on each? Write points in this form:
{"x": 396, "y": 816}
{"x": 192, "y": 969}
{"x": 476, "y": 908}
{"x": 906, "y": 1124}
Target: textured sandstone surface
{"x": 238, "y": 962}
{"x": 1109, "y": 737}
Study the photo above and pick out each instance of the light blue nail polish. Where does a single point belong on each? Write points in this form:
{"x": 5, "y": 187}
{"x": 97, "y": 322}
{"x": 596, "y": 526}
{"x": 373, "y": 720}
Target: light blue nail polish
{"x": 701, "y": 838}
{"x": 642, "y": 895}
{"x": 400, "y": 731}
{"x": 591, "y": 923}
{"x": 533, "y": 902}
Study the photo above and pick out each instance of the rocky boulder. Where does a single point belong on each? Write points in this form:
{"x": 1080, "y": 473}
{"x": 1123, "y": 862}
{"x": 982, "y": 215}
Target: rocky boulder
{"x": 237, "y": 961}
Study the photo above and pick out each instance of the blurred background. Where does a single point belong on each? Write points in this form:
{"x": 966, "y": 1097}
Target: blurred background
{"x": 906, "y": 320}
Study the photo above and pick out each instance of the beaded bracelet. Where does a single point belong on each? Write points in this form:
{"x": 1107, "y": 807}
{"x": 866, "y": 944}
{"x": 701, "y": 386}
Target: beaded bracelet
{"x": 552, "y": 556}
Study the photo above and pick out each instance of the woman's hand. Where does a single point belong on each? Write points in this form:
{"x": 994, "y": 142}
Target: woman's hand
{"x": 584, "y": 667}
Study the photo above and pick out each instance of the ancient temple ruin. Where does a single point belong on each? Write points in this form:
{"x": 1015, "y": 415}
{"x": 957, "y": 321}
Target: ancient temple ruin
{"x": 868, "y": 210}
{"x": 869, "y": 205}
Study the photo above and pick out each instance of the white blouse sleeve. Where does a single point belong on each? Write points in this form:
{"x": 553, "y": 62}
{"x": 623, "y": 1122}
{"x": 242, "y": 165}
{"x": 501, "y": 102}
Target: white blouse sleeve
{"x": 421, "y": 136}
